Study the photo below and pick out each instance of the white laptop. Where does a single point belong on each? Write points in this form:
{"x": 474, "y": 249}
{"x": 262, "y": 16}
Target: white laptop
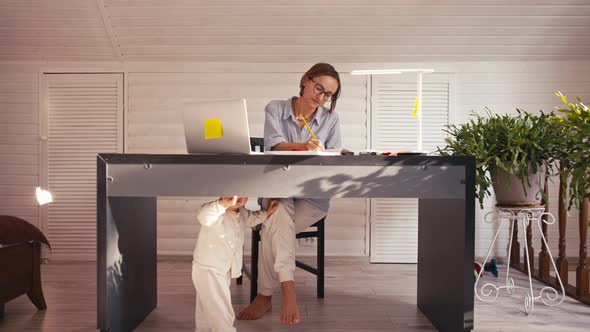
{"x": 219, "y": 127}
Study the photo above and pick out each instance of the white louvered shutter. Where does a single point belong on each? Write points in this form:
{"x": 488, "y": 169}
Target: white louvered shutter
{"x": 84, "y": 117}
{"x": 394, "y": 222}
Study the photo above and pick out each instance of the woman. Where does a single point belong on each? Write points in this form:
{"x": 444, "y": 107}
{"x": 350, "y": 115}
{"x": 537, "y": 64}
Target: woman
{"x": 284, "y": 129}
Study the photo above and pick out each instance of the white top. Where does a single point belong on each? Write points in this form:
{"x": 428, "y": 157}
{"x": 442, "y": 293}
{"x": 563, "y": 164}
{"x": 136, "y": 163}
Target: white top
{"x": 220, "y": 246}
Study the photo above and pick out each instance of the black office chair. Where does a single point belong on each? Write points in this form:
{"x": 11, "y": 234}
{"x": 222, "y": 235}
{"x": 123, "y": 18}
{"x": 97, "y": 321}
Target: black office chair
{"x": 319, "y": 233}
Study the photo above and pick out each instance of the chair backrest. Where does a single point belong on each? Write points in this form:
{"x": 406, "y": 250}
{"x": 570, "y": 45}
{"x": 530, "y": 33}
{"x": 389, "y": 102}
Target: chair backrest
{"x": 257, "y": 142}
{"x": 16, "y": 230}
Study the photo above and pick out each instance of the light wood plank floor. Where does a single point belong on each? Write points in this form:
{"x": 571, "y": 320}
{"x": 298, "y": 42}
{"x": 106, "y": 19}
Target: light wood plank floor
{"x": 359, "y": 297}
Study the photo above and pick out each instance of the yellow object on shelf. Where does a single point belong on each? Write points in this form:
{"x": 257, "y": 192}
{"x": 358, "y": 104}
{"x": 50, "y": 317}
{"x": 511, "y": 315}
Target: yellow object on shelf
{"x": 415, "y": 112}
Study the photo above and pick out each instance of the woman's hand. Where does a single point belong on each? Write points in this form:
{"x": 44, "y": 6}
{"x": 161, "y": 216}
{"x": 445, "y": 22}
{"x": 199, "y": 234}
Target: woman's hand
{"x": 271, "y": 206}
{"x": 228, "y": 202}
{"x": 314, "y": 145}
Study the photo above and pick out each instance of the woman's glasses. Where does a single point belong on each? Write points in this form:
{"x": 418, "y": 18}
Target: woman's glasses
{"x": 319, "y": 90}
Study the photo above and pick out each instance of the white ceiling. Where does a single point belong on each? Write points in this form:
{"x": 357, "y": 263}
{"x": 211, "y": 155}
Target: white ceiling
{"x": 294, "y": 31}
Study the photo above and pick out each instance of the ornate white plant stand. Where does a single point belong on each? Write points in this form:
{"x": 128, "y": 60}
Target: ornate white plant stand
{"x": 523, "y": 216}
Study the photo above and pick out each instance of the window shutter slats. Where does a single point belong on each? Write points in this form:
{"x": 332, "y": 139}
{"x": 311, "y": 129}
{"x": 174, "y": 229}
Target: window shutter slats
{"x": 394, "y": 222}
{"x": 84, "y": 117}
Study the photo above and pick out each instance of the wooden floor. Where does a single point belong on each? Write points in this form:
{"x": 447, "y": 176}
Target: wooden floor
{"x": 359, "y": 297}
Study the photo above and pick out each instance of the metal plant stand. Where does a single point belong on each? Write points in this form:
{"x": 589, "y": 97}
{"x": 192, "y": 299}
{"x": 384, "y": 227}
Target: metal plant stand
{"x": 523, "y": 216}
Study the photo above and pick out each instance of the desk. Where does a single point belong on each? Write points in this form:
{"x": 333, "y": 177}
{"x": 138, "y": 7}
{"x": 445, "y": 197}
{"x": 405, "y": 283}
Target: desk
{"x": 128, "y": 186}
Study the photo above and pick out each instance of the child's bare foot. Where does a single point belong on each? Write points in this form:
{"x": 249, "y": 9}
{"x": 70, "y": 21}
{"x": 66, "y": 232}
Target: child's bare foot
{"x": 257, "y": 308}
{"x": 289, "y": 310}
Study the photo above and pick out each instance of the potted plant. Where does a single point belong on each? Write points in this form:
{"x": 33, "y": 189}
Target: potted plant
{"x": 512, "y": 153}
{"x": 574, "y": 156}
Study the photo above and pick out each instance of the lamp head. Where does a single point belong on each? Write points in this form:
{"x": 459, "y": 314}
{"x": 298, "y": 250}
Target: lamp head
{"x": 43, "y": 196}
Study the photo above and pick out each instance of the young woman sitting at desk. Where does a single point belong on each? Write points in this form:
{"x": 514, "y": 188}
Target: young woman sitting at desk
{"x": 298, "y": 123}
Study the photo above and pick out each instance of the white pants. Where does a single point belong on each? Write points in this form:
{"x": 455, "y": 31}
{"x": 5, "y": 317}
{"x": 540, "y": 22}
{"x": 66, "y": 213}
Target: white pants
{"x": 276, "y": 262}
{"x": 213, "y": 309}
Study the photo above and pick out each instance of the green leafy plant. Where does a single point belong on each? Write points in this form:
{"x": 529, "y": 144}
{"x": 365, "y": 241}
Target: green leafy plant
{"x": 520, "y": 144}
{"x": 575, "y": 153}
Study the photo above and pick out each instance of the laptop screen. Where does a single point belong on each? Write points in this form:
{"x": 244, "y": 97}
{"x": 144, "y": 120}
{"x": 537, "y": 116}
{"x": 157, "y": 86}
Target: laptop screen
{"x": 217, "y": 127}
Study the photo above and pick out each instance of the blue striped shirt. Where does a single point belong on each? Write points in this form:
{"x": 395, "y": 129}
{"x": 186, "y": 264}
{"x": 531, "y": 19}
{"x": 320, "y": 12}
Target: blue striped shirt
{"x": 281, "y": 126}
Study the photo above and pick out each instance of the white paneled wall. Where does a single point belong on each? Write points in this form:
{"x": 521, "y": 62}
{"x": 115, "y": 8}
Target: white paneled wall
{"x": 154, "y": 125}
{"x": 262, "y": 31}
{"x": 56, "y": 29}
{"x": 501, "y": 86}
{"x": 19, "y": 141}
{"x": 349, "y": 30}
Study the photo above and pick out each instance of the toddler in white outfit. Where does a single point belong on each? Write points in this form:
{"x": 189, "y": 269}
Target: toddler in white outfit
{"x": 218, "y": 258}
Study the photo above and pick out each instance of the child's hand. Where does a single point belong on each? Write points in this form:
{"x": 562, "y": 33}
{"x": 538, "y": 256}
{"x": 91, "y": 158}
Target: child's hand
{"x": 228, "y": 202}
{"x": 271, "y": 207}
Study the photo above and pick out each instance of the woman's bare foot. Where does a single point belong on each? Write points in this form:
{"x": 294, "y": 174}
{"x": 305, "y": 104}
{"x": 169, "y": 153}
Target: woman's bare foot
{"x": 257, "y": 308}
{"x": 289, "y": 310}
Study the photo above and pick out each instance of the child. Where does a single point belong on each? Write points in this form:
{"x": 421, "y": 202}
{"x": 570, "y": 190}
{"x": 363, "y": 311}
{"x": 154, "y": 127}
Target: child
{"x": 218, "y": 258}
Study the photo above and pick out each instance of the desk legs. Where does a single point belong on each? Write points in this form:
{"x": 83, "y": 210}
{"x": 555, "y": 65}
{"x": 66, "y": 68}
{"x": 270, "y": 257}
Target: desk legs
{"x": 126, "y": 259}
{"x": 445, "y": 263}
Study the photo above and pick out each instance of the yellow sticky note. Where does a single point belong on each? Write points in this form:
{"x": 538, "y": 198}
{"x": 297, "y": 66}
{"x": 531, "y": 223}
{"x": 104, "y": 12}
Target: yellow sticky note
{"x": 416, "y": 106}
{"x": 213, "y": 128}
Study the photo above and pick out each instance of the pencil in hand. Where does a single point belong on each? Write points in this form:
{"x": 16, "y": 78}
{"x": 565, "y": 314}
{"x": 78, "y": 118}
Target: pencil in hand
{"x": 308, "y": 128}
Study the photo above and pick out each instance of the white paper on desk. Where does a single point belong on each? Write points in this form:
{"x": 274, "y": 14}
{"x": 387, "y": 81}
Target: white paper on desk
{"x": 303, "y": 153}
